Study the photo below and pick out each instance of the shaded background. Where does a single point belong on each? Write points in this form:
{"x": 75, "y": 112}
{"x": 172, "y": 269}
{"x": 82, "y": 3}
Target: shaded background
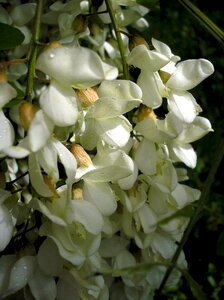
{"x": 176, "y": 27}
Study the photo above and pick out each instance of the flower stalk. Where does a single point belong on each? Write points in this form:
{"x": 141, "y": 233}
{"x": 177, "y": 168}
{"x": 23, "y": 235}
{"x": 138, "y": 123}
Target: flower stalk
{"x": 33, "y": 50}
{"x": 119, "y": 39}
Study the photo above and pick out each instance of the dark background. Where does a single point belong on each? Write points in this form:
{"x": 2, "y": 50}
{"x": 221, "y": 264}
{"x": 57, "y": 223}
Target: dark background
{"x": 176, "y": 27}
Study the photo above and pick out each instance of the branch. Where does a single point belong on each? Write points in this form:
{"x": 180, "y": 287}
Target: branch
{"x": 33, "y": 50}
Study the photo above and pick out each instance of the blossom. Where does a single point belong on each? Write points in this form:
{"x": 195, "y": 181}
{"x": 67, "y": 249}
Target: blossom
{"x": 86, "y": 74}
{"x": 104, "y": 118}
{"x": 177, "y": 79}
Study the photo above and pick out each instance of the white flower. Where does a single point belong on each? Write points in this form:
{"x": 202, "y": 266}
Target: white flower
{"x": 78, "y": 67}
{"x": 47, "y": 159}
{"x": 185, "y": 77}
{"x": 149, "y": 61}
{"x": 104, "y": 119}
{"x": 73, "y": 244}
{"x": 180, "y": 148}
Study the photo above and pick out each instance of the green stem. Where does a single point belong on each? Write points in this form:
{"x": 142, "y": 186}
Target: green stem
{"x": 195, "y": 217}
{"x": 119, "y": 39}
{"x": 210, "y": 26}
{"x": 33, "y": 50}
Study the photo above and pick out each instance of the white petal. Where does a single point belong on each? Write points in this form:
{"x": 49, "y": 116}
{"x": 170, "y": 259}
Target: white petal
{"x": 7, "y": 93}
{"x": 7, "y": 134}
{"x": 163, "y": 244}
{"x": 40, "y": 131}
{"x": 47, "y": 158}
{"x": 196, "y": 130}
{"x": 144, "y": 59}
{"x": 6, "y": 263}
{"x": 4, "y": 16}
{"x": 22, "y": 14}
{"x": 87, "y": 214}
{"x": 43, "y": 287}
{"x": 111, "y": 166}
{"x": 151, "y": 84}
{"x": 114, "y": 131}
{"x": 164, "y": 49}
{"x": 59, "y": 103}
{"x": 90, "y": 137}
{"x": 161, "y": 206}
{"x": 67, "y": 159}
{"x": 147, "y": 218}
{"x": 190, "y": 73}
{"x": 146, "y": 157}
{"x": 110, "y": 247}
{"x": 66, "y": 291}
{"x": 62, "y": 239}
{"x": 36, "y": 177}
{"x": 185, "y": 153}
{"x": 16, "y": 152}
{"x": 184, "y": 195}
{"x": 110, "y": 72}
{"x": 116, "y": 98}
{"x": 166, "y": 179}
{"x": 124, "y": 259}
{"x": 101, "y": 195}
{"x": 128, "y": 182}
{"x": 73, "y": 66}
{"x": 120, "y": 89}
{"x": 70, "y": 245}
{"x": 150, "y": 130}
{"x": 183, "y": 106}
{"x": 21, "y": 273}
{"x": 6, "y": 227}
{"x": 49, "y": 259}
{"x": 53, "y": 211}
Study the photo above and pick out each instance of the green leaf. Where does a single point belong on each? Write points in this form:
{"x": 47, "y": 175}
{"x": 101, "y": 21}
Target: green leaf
{"x": 211, "y": 27}
{"x": 220, "y": 245}
{"x": 151, "y": 4}
{"x": 10, "y": 37}
{"x": 194, "y": 286}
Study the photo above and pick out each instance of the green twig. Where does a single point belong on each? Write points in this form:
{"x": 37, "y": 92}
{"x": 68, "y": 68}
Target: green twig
{"x": 210, "y": 26}
{"x": 33, "y": 50}
{"x": 119, "y": 39}
{"x": 195, "y": 217}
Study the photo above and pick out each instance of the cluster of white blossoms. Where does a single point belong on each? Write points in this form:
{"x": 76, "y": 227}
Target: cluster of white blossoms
{"x": 101, "y": 169}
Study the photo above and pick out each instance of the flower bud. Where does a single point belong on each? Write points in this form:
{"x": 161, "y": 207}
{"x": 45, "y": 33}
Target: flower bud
{"x": 146, "y": 112}
{"x": 27, "y": 112}
{"x": 87, "y": 96}
{"x": 82, "y": 157}
{"x": 136, "y": 40}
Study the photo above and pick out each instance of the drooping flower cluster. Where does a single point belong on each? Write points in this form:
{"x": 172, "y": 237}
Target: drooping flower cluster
{"x": 99, "y": 165}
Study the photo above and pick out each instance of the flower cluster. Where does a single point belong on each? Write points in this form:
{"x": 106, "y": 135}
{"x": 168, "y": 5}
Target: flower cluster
{"x": 89, "y": 169}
